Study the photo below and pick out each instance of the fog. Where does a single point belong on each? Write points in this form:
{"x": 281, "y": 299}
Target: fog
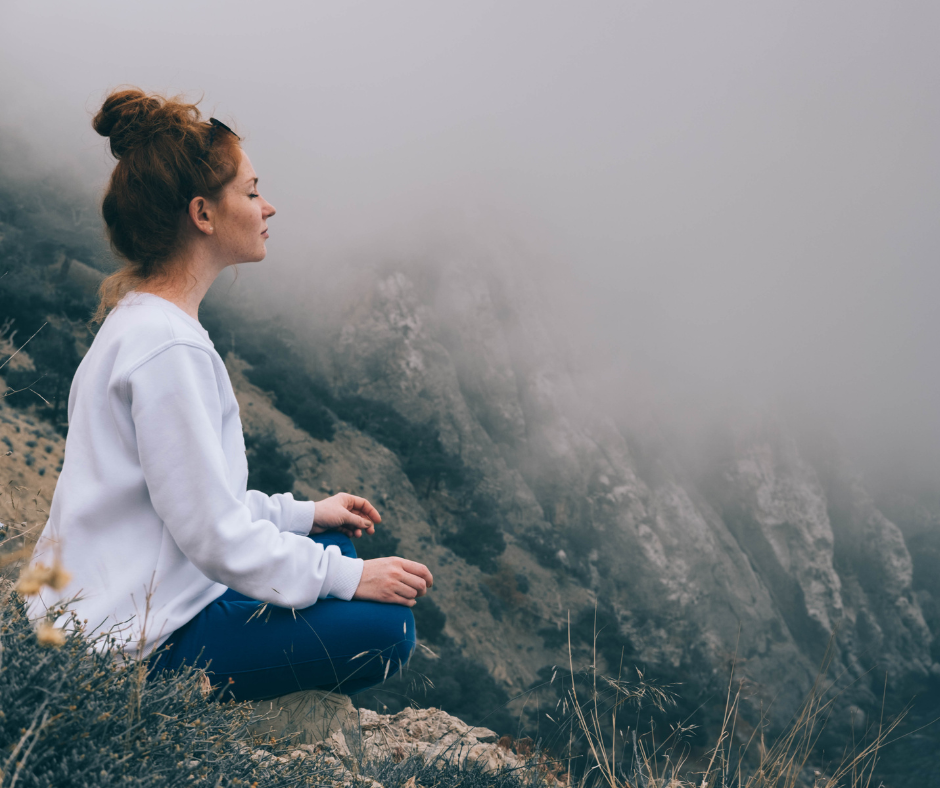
{"x": 726, "y": 205}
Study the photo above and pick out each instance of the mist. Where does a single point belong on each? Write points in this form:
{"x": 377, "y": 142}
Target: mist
{"x": 725, "y": 206}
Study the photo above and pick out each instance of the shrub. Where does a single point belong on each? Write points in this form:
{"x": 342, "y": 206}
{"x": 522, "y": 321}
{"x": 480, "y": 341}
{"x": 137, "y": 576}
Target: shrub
{"x": 295, "y": 395}
{"x": 41, "y": 318}
{"x": 429, "y": 621}
{"x": 275, "y": 367}
{"x": 417, "y": 445}
{"x": 477, "y": 537}
{"x": 269, "y": 469}
{"x": 496, "y": 605}
{"x": 382, "y": 543}
{"x": 506, "y": 586}
{"x": 73, "y": 716}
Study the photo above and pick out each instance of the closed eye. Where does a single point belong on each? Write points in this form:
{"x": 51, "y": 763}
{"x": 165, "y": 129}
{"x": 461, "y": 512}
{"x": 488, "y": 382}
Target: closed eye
{"x": 254, "y": 195}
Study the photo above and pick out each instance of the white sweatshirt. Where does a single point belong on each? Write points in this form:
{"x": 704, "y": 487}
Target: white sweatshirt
{"x": 151, "y": 514}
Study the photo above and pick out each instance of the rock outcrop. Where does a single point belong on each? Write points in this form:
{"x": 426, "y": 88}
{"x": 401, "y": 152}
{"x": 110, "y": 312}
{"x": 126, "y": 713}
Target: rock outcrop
{"x": 430, "y": 736}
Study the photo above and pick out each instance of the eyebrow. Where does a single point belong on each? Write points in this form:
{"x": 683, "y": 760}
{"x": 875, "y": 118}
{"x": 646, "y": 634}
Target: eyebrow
{"x": 253, "y": 180}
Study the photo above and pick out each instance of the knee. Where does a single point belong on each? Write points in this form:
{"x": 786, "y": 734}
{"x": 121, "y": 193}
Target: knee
{"x": 407, "y": 645}
{"x": 391, "y": 642}
{"x": 393, "y": 636}
{"x": 401, "y": 632}
{"x": 400, "y": 650}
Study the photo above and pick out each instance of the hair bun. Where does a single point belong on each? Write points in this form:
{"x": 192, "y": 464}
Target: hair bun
{"x": 128, "y": 118}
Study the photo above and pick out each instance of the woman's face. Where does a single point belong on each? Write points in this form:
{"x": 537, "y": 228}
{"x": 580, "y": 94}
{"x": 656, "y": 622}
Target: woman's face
{"x": 241, "y": 225}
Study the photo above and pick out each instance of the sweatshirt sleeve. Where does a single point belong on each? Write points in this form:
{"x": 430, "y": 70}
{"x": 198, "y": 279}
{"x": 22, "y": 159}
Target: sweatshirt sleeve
{"x": 282, "y": 509}
{"x": 177, "y": 407}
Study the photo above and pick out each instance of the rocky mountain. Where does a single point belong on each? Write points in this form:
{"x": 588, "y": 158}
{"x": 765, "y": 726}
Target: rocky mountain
{"x": 552, "y": 530}
{"x": 770, "y": 555}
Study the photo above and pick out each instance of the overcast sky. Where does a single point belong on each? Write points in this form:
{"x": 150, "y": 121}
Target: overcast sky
{"x": 739, "y": 201}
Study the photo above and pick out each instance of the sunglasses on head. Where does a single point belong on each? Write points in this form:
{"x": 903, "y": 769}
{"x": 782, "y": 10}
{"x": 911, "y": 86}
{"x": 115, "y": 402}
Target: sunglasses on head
{"x": 216, "y": 125}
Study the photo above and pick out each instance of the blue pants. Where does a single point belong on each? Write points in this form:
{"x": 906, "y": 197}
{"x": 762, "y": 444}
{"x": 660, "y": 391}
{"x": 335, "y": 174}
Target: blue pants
{"x": 254, "y": 654}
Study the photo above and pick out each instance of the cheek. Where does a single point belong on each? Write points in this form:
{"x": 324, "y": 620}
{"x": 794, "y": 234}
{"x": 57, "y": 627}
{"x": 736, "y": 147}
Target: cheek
{"x": 253, "y": 214}
{"x": 242, "y": 227}
{"x": 248, "y": 223}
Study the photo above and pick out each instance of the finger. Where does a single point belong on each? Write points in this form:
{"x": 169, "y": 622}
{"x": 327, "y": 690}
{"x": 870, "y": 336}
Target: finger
{"x": 419, "y": 584}
{"x": 418, "y": 569}
{"x": 352, "y": 520}
{"x": 398, "y": 599}
{"x": 407, "y": 591}
{"x": 362, "y": 506}
{"x": 390, "y": 595}
{"x": 360, "y": 523}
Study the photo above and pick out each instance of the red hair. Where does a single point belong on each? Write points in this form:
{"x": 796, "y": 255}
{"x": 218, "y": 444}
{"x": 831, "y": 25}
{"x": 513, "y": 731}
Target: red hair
{"x": 166, "y": 156}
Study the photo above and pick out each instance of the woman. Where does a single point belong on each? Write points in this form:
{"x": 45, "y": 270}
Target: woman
{"x": 151, "y": 515}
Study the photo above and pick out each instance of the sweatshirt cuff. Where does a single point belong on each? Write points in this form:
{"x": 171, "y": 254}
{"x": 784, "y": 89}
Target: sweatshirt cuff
{"x": 345, "y": 577}
{"x": 301, "y": 517}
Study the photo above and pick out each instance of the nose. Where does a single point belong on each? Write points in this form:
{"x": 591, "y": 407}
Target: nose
{"x": 269, "y": 209}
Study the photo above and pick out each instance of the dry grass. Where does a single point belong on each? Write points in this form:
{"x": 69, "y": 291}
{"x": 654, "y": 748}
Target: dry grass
{"x": 10, "y": 351}
{"x": 791, "y": 760}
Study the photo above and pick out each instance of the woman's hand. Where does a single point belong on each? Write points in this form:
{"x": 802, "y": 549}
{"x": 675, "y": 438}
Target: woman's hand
{"x": 395, "y": 580}
{"x": 346, "y": 513}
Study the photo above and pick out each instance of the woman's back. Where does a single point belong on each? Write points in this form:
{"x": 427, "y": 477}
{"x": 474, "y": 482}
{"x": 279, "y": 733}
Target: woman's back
{"x": 155, "y": 459}
{"x": 102, "y": 525}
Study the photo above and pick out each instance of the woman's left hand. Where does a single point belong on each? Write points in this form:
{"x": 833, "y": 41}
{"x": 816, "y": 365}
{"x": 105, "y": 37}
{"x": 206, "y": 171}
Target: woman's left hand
{"x": 346, "y": 513}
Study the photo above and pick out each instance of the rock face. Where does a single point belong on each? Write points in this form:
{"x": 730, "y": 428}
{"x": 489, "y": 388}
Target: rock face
{"x": 835, "y": 565}
{"x": 763, "y": 559}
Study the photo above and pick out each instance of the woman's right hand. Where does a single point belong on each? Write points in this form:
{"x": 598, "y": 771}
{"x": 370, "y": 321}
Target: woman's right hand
{"x": 395, "y": 580}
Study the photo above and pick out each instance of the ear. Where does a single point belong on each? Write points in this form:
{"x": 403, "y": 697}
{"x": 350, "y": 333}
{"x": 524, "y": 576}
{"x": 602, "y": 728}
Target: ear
{"x": 202, "y": 215}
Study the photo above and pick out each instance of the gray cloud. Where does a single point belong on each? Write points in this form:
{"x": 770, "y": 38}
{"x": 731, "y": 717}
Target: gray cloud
{"x": 728, "y": 203}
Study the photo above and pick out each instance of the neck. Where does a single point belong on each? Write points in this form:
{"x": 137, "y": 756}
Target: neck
{"x": 193, "y": 276}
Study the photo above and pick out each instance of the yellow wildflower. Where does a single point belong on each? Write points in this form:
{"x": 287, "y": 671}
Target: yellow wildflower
{"x": 49, "y": 635}
{"x": 35, "y": 576}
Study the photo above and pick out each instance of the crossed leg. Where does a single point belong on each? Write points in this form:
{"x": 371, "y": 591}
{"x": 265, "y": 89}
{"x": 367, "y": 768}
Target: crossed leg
{"x": 257, "y": 651}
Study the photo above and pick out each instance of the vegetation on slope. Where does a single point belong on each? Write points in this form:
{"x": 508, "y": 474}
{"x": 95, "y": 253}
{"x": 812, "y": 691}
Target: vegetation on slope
{"x": 71, "y": 715}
